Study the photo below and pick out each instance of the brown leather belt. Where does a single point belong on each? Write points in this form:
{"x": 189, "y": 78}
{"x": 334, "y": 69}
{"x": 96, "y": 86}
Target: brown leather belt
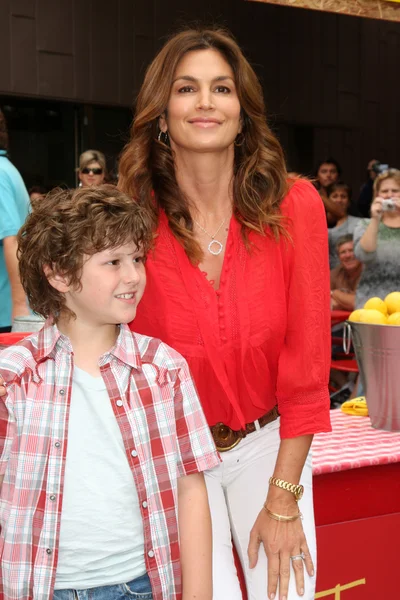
{"x": 226, "y": 438}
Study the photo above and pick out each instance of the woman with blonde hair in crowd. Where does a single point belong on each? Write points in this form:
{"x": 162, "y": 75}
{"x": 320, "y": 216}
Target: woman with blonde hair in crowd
{"x": 377, "y": 240}
{"x": 238, "y": 282}
{"x": 92, "y": 168}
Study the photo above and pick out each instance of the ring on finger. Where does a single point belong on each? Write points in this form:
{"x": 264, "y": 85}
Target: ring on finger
{"x": 298, "y": 556}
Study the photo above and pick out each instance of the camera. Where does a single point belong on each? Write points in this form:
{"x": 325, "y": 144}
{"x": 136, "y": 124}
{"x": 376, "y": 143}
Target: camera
{"x": 388, "y": 204}
{"x": 379, "y": 168}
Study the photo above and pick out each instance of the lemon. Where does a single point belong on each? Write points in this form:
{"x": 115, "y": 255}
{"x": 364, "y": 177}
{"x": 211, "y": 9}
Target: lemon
{"x": 392, "y": 302}
{"x": 376, "y": 304}
{"x": 373, "y": 316}
{"x": 394, "y": 319}
{"x": 356, "y": 315}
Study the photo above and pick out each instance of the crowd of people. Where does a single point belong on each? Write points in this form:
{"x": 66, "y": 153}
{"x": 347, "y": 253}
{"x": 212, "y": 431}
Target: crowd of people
{"x": 209, "y": 246}
{"x": 364, "y": 235}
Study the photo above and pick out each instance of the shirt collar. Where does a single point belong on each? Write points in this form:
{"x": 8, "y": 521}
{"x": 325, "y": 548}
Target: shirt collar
{"x": 126, "y": 349}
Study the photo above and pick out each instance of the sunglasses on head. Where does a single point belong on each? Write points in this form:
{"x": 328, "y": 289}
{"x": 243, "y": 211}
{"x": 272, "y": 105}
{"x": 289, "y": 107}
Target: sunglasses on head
{"x": 96, "y": 171}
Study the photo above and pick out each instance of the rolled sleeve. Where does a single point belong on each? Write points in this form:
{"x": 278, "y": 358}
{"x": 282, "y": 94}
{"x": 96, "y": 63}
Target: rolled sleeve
{"x": 304, "y": 362}
{"x": 197, "y": 450}
{"x": 359, "y": 252}
{"x": 7, "y": 430}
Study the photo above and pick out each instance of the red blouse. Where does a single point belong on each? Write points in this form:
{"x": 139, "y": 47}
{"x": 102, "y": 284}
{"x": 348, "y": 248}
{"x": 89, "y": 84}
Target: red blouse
{"x": 262, "y": 338}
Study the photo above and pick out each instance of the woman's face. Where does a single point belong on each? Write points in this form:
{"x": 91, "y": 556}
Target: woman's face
{"x": 203, "y": 113}
{"x": 92, "y": 174}
{"x": 340, "y": 197}
{"x": 389, "y": 188}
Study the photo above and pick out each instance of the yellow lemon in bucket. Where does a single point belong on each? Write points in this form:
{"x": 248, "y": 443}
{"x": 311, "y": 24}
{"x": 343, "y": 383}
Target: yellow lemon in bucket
{"x": 394, "y": 319}
{"x": 374, "y": 317}
{"x": 376, "y": 304}
{"x": 356, "y": 315}
{"x": 392, "y": 302}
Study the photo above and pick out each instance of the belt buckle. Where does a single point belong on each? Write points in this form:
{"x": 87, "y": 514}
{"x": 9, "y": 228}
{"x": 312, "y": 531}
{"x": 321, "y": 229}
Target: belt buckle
{"x": 224, "y": 434}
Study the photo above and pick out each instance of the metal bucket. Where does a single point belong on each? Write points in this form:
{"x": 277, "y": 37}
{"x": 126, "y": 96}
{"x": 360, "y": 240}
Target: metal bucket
{"x": 377, "y": 349}
{"x": 27, "y": 323}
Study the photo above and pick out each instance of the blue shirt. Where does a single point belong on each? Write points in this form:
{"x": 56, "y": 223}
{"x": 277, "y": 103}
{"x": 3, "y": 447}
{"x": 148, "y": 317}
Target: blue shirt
{"x": 14, "y": 205}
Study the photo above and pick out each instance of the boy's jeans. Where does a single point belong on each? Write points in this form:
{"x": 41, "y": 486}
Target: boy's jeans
{"x": 137, "y": 589}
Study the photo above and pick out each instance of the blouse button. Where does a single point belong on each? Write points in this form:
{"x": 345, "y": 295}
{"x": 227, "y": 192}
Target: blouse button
{"x": 61, "y": 392}
{"x": 134, "y": 453}
{"x": 151, "y": 553}
{"x": 57, "y": 445}
{"x": 119, "y": 403}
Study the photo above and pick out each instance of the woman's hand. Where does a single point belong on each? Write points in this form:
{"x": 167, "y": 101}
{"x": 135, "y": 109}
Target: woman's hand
{"x": 281, "y": 541}
{"x": 376, "y": 209}
{"x": 3, "y": 390}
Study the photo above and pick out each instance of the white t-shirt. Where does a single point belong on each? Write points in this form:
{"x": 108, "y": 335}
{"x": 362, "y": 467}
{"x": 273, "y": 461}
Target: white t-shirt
{"x": 101, "y": 535}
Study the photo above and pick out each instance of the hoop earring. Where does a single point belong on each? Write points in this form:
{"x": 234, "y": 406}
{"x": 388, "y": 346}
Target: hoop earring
{"x": 241, "y": 137}
{"x": 163, "y": 137}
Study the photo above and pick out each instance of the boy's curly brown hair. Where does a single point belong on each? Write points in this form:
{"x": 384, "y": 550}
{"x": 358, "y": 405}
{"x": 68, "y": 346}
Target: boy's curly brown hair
{"x": 68, "y": 225}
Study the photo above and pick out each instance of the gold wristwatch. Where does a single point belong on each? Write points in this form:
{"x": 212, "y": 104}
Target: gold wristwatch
{"x": 296, "y": 490}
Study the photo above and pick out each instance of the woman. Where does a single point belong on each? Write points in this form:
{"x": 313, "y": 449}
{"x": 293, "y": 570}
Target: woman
{"x": 340, "y": 194}
{"x": 238, "y": 283}
{"x": 377, "y": 240}
{"x": 92, "y": 168}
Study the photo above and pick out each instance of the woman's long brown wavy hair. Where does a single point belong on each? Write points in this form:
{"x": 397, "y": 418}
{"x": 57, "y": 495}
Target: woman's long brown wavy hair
{"x": 147, "y": 171}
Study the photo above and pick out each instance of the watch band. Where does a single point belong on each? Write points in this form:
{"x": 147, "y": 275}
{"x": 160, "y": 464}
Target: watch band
{"x": 296, "y": 490}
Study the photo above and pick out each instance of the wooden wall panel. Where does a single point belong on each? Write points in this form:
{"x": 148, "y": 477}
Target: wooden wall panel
{"x": 23, "y": 56}
{"x": 82, "y": 19}
{"x": 56, "y": 75}
{"x": 5, "y": 45}
{"x": 23, "y": 8}
{"x": 54, "y": 26}
{"x": 105, "y": 51}
{"x": 126, "y": 52}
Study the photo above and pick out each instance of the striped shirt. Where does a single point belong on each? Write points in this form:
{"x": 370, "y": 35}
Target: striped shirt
{"x": 164, "y": 433}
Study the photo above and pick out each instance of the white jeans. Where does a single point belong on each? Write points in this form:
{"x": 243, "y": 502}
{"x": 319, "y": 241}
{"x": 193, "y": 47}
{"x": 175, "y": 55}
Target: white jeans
{"x": 237, "y": 489}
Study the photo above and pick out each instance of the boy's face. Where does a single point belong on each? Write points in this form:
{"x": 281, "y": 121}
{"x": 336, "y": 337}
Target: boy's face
{"x": 112, "y": 285}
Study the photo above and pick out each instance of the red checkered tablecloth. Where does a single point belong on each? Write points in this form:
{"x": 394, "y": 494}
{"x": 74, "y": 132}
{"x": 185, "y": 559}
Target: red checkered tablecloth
{"x": 353, "y": 443}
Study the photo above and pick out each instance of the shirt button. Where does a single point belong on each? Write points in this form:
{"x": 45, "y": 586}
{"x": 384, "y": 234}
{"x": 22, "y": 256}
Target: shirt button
{"x": 57, "y": 445}
{"x": 144, "y": 504}
{"x": 119, "y": 403}
{"x": 52, "y": 497}
{"x": 150, "y": 553}
{"x": 49, "y": 551}
{"x": 61, "y": 392}
{"x": 134, "y": 453}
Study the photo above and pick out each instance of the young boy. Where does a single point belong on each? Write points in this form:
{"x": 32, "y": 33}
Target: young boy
{"x": 102, "y": 438}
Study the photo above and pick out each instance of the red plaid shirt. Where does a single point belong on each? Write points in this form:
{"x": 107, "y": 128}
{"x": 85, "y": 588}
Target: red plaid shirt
{"x": 165, "y": 436}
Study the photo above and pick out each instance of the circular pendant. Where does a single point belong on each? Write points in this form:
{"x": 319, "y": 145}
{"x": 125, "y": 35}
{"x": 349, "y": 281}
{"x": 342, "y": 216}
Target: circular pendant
{"x": 219, "y": 247}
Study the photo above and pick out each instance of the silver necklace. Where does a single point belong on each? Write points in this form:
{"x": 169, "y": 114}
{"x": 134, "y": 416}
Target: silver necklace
{"x": 219, "y": 248}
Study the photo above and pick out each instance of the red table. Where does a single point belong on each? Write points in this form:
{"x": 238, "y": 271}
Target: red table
{"x": 357, "y": 510}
